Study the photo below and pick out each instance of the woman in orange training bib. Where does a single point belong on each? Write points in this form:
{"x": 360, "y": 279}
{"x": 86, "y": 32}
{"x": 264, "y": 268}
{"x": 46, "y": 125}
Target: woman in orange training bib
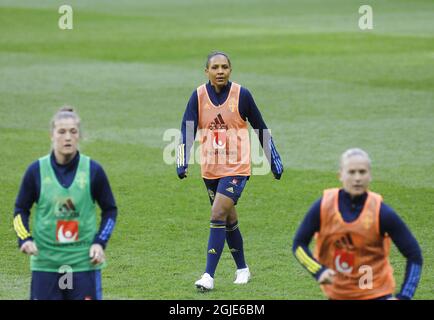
{"x": 220, "y": 110}
{"x": 353, "y": 229}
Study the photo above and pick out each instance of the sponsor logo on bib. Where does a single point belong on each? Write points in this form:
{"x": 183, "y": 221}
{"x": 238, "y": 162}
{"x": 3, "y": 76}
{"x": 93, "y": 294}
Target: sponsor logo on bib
{"x": 67, "y": 231}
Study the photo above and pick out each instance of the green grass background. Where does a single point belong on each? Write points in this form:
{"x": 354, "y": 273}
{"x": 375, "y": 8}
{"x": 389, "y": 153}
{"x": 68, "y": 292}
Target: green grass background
{"x": 129, "y": 67}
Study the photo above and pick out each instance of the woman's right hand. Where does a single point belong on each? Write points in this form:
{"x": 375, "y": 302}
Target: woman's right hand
{"x": 29, "y": 248}
{"x": 326, "y": 276}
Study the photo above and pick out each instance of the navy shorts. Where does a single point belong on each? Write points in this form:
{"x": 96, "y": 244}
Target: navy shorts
{"x": 231, "y": 187}
{"x": 57, "y": 286}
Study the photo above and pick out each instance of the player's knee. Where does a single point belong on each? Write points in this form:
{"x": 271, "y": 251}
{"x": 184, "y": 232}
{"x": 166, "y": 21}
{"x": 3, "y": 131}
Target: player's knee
{"x": 219, "y": 214}
{"x": 231, "y": 219}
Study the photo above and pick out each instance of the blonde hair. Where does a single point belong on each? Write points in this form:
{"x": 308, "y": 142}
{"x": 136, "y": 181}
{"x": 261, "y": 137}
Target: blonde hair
{"x": 65, "y": 112}
{"x": 352, "y": 153}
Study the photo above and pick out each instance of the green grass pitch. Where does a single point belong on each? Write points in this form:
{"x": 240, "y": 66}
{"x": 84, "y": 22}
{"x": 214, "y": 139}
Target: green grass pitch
{"x": 321, "y": 83}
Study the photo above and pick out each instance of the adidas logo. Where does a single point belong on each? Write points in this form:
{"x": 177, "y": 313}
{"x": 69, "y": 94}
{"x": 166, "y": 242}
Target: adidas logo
{"x": 230, "y": 189}
{"x": 212, "y": 251}
{"x": 234, "y": 250}
{"x": 218, "y": 123}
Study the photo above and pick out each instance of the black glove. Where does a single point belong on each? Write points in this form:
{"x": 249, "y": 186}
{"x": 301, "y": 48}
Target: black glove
{"x": 277, "y": 168}
{"x": 182, "y": 172}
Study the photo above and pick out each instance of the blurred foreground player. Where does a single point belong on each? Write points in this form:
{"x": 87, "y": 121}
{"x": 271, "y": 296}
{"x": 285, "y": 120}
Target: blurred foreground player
{"x": 353, "y": 228}
{"x": 66, "y": 249}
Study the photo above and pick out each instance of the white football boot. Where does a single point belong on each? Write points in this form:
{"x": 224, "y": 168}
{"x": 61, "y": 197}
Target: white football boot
{"x": 242, "y": 276}
{"x": 205, "y": 283}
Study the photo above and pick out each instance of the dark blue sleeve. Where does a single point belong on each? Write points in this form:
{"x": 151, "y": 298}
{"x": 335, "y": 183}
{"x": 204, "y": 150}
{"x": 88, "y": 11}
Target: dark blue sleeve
{"x": 188, "y": 130}
{"x": 306, "y": 231}
{"x": 407, "y": 244}
{"x": 249, "y": 110}
{"x": 27, "y": 196}
{"x": 102, "y": 194}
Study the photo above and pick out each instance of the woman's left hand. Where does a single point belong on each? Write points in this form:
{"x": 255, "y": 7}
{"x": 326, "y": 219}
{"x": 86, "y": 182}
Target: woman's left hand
{"x": 96, "y": 254}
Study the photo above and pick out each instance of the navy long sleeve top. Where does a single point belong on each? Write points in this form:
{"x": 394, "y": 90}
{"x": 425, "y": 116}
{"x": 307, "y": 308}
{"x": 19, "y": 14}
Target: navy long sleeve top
{"x": 248, "y": 111}
{"x": 100, "y": 191}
